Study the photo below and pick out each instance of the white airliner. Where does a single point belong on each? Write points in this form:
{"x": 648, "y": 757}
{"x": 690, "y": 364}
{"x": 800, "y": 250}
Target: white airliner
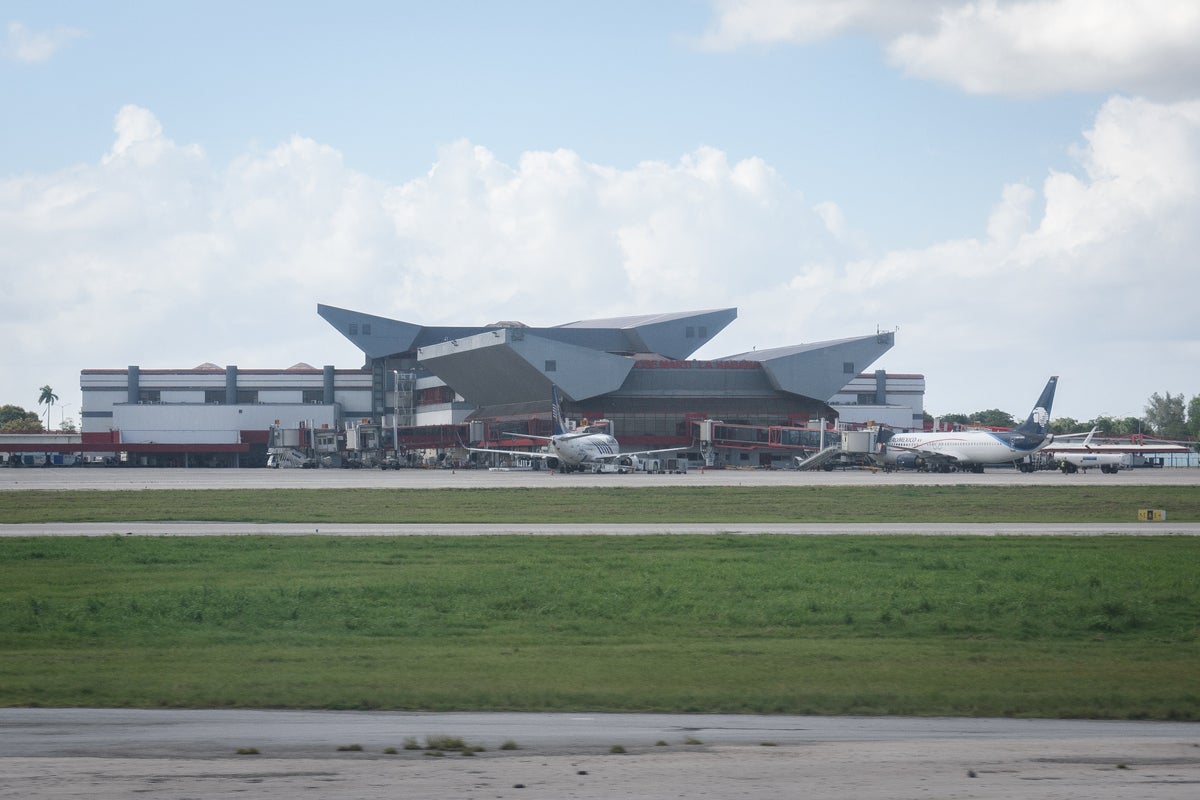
{"x": 589, "y": 448}
{"x": 943, "y": 452}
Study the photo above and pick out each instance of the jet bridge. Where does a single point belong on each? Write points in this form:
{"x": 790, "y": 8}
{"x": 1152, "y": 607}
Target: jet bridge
{"x": 854, "y": 449}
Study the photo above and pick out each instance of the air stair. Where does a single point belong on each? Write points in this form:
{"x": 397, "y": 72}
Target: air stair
{"x": 288, "y": 458}
{"x": 820, "y": 458}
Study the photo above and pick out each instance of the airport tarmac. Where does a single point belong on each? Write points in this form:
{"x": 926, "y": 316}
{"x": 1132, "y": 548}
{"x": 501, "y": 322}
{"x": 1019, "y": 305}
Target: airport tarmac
{"x": 109, "y": 478}
{"x": 1165, "y": 528}
{"x": 106, "y": 754}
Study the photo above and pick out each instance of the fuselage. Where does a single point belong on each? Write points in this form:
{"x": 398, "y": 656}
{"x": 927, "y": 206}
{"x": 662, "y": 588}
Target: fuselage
{"x": 962, "y": 447}
{"x": 574, "y": 450}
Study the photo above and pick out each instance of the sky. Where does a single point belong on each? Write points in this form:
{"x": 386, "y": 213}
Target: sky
{"x": 1013, "y": 187}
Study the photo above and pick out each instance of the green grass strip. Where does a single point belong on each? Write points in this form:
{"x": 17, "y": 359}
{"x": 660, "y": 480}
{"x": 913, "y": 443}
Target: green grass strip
{"x": 1027, "y": 626}
{"x": 740, "y": 504}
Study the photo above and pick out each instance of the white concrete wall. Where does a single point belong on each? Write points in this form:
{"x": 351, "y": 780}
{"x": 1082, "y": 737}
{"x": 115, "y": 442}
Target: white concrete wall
{"x": 210, "y": 423}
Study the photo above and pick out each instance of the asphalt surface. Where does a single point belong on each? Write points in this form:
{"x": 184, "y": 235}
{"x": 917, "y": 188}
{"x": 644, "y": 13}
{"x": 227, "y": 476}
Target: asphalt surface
{"x": 46, "y": 754}
{"x": 597, "y": 529}
{"x": 132, "y": 478}
{"x": 215, "y": 733}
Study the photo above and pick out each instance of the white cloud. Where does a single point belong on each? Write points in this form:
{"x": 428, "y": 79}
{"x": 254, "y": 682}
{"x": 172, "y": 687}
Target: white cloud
{"x": 30, "y": 47}
{"x": 606, "y": 239}
{"x": 746, "y": 22}
{"x": 154, "y": 256}
{"x": 1059, "y": 45}
{"x": 1030, "y": 47}
{"x": 1100, "y": 287}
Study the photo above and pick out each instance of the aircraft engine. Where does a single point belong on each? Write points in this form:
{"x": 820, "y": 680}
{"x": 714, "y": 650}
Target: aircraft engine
{"x": 910, "y": 461}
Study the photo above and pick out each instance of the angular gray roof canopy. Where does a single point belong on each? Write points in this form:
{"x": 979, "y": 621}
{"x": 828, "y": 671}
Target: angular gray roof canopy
{"x": 508, "y": 363}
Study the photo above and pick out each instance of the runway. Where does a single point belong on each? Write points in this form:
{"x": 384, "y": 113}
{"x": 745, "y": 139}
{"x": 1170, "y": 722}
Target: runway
{"x": 600, "y": 529}
{"x": 212, "y": 733}
{"x": 109, "y": 754}
{"x": 135, "y": 478}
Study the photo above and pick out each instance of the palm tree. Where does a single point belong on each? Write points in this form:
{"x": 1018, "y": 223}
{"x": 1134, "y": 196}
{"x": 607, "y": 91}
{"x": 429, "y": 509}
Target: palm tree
{"x": 49, "y": 398}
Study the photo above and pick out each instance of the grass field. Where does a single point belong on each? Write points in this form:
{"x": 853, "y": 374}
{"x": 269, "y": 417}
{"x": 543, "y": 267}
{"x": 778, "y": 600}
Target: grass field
{"x": 1028, "y": 626}
{"x": 740, "y": 504}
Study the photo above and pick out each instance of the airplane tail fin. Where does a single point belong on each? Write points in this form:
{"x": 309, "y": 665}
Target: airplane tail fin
{"x": 1038, "y": 423}
{"x": 556, "y": 416}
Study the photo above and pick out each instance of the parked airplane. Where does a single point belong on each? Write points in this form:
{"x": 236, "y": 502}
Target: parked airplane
{"x": 946, "y": 451}
{"x": 1084, "y": 456}
{"x": 589, "y": 448}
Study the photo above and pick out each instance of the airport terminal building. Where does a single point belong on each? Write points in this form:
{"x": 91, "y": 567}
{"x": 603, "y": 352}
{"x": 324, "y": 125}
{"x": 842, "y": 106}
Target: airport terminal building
{"x": 436, "y": 389}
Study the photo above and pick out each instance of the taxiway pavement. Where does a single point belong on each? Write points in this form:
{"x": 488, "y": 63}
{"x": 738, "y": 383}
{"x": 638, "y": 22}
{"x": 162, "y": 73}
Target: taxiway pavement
{"x": 134, "y": 478}
{"x": 106, "y": 754}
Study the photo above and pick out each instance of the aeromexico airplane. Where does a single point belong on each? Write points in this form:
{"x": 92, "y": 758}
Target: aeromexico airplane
{"x": 589, "y": 448}
{"x": 942, "y": 452}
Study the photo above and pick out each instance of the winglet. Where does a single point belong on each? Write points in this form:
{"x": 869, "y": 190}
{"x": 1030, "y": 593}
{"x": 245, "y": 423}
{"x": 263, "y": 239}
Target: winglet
{"x": 1087, "y": 442}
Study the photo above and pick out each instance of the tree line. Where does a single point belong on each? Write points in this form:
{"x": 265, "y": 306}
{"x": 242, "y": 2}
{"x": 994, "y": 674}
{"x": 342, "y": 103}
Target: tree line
{"x": 1165, "y": 416}
{"x": 14, "y": 419}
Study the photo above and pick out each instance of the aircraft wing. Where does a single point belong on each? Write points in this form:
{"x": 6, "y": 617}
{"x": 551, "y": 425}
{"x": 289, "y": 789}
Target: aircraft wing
{"x": 562, "y": 437}
{"x": 638, "y": 453}
{"x": 518, "y": 453}
{"x": 523, "y": 435}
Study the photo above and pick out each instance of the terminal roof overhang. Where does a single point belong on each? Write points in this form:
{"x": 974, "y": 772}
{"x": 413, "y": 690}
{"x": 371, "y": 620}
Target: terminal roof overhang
{"x": 665, "y": 334}
{"x": 509, "y": 363}
{"x": 819, "y": 369}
